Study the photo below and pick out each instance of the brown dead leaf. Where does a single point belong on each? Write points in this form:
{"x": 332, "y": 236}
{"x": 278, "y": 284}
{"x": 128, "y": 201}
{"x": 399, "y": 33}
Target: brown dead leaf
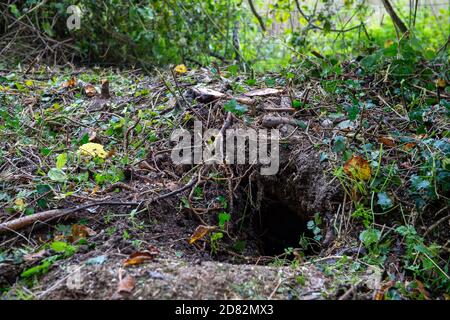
{"x": 70, "y": 83}
{"x": 200, "y": 232}
{"x": 95, "y": 189}
{"x": 205, "y": 95}
{"x": 387, "y": 141}
{"x": 382, "y": 291}
{"x": 263, "y": 92}
{"x": 246, "y": 100}
{"x": 90, "y": 90}
{"x": 80, "y": 232}
{"x": 34, "y": 256}
{"x": 209, "y": 92}
{"x": 358, "y": 168}
{"x": 409, "y": 146}
{"x": 141, "y": 256}
{"x": 126, "y": 285}
{"x": 111, "y": 153}
{"x": 92, "y": 136}
{"x": 144, "y": 165}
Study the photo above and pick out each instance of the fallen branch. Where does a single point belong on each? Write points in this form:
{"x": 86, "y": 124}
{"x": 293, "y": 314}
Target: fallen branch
{"x": 49, "y": 215}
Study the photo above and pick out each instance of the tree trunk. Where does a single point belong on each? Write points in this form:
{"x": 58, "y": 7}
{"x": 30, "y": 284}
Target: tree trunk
{"x": 399, "y": 24}
{"x": 256, "y": 14}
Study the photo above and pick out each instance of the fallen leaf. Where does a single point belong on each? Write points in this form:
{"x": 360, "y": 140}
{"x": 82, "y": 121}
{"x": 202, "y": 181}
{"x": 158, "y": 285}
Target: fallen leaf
{"x": 358, "y": 168}
{"x": 70, "y": 83}
{"x": 80, "y": 232}
{"x": 90, "y": 90}
{"x": 382, "y": 291}
{"x": 95, "y": 189}
{"x": 388, "y": 43}
{"x": 19, "y": 202}
{"x": 440, "y": 83}
{"x": 262, "y": 92}
{"x": 92, "y": 135}
{"x": 409, "y": 146}
{"x": 96, "y": 260}
{"x": 387, "y": 141}
{"x": 209, "y": 92}
{"x": 111, "y": 153}
{"x": 126, "y": 285}
{"x": 421, "y": 288}
{"x": 200, "y": 232}
{"x": 141, "y": 256}
{"x": 181, "y": 69}
{"x": 205, "y": 95}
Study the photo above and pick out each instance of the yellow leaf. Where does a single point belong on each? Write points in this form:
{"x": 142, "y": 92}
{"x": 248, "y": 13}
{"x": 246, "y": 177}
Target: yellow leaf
{"x": 388, "y": 43}
{"x": 200, "y": 232}
{"x": 29, "y": 83}
{"x": 95, "y": 189}
{"x": 92, "y": 149}
{"x": 358, "y": 168}
{"x": 181, "y": 69}
{"x": 20, "y": 203}
{"x": 440, "y": 83}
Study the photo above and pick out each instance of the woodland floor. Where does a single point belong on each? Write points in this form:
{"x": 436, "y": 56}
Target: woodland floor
{"x": 290, "y": 236}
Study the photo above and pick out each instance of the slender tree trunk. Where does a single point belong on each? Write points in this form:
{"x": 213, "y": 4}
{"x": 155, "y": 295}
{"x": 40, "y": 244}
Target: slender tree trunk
{"x": 236, "y": 42}
{"x": 256, "y": 14}
{"x": 399, "y": 24}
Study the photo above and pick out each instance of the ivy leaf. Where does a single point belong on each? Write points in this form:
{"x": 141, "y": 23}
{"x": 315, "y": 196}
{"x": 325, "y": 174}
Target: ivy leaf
{"x": 384, "y": 201}
{"x": 419, "y": 184}
{"x": 234, "y": 107}
{"x": 352, "y": 112}
{"x": 339, "y": 144}
{"x": 370, "y": 236}
{"x": 57, "y": 175}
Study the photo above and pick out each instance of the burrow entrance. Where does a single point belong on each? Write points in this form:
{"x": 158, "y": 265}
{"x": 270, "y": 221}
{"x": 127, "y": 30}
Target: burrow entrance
{"x": 279, "y": 227}
{"x": 279, "y": 223}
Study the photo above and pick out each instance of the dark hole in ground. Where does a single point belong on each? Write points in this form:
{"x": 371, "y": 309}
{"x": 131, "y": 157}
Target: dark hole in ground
{"x": 279, "y": 227}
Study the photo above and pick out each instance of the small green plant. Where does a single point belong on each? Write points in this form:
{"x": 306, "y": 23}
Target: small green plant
{"x": 126, "y": 235}
{"x": 314, "y": 226}
{"x": 215, "y": 237}
{"x": 62, "y": 249}
{"x": 422, "y": 261}
{"x": 364, "y": 213}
